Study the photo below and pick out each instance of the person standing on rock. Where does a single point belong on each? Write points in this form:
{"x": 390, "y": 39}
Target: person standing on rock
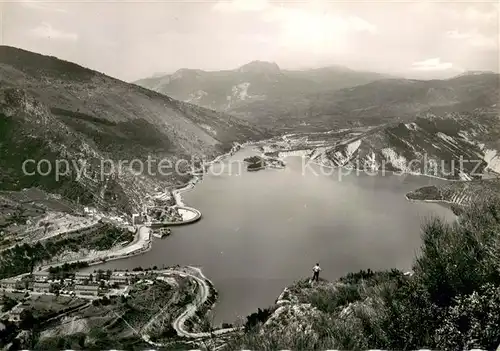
{"x": 316, "y": 270}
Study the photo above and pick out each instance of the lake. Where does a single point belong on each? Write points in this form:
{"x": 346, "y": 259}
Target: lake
{"x": 262, "y": 230}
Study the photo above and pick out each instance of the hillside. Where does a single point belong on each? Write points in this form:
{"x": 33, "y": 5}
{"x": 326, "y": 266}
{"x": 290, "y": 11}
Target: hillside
{"x": 459, "y": 193}
{"x": 457, "y": 137}
{"x": 245, "y": 89}
{"x": 453, "y": 146}
{"x": 56, "y": 110}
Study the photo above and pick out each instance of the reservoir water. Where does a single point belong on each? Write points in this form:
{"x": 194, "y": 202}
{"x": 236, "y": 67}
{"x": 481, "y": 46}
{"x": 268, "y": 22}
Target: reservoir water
{"x": 263, "y": 230}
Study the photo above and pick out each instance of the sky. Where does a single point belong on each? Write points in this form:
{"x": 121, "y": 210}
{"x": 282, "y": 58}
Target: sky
{"x": 133, "y": 40}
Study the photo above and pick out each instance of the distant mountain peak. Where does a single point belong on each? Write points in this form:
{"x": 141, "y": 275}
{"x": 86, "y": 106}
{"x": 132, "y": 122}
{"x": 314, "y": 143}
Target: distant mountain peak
{"x": 339, "y": 68}
{"x": 183, "y": 72}
{"x": 474, "y": 73}
{"x": 260, "y": 67}
{"x": 159, "y": 74}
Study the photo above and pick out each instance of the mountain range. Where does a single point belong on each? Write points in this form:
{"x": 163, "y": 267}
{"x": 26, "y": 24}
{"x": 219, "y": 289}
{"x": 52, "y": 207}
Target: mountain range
{"x": 322, "y": 99}
{"x": 407, "y": 125}
{"x": 249, "y": 89}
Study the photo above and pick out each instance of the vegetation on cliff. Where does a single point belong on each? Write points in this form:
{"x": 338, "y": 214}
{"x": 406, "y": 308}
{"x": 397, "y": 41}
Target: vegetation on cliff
{"x": 460, "y": 193}
{"x": 450, "y": 301}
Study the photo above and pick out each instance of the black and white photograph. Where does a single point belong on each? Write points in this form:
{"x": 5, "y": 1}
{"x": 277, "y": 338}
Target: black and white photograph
{"x": 227, "y": 175}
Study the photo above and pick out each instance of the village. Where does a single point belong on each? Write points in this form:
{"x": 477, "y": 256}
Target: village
{"x": 69, "y": 282}
{"x": 53, "y": 300}
{"x": 83, "y": 285}
{"x": 163, "y": 211}
{"x": 79, "y": 283}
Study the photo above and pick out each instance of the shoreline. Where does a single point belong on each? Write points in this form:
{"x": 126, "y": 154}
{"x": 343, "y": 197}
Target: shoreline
{"x": 196, "y": 218}
{"x": 146, "y": 245}
{"x": 147, "y": 242}
{"x": 356, "y": 170}
{"x": 196, "y": 178}
{"x": 400, "y": 173}
{"x": 431, "y": 201}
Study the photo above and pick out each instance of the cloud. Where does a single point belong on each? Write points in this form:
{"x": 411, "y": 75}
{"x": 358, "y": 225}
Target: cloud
{"x": 241, "y": 6}
{"x": 34, "y": 5}
{"x": 45, "y": 30}
{"x": 303, "y": 26}
{"x": 293, "y": 16}
{"x": 483, "y": 42}
{"x": 433, "y": 64}
{"x": 474, "y": 15}
{"x": 455, "y": 34}
{"x": 488, "y": 14}
{"x": 319, "y": 32}
{"x": 474, "y": 38}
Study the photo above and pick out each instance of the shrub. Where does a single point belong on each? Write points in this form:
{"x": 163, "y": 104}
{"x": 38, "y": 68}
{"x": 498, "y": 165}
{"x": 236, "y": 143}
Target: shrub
{"x": 328, "y": 301}
{"x": 459, "y": 259}
{"x": 474, "y": 322}
{"x": 261, "y": 316}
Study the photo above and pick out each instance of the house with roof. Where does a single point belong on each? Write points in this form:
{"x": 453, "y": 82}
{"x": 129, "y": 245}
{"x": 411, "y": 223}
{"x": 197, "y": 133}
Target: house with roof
{"x": 11, "y": 284}
{"x": 15, "y": 313}
{"x": 41, "y": 287}
{"x": 87, "y": 290}
{"x": 41, "y": 276}
{"x": 81, "y": 277}
{"x": 118, "y": 279}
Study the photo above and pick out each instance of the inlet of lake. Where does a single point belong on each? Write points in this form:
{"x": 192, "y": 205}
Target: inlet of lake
{"x": 262, "y": 230}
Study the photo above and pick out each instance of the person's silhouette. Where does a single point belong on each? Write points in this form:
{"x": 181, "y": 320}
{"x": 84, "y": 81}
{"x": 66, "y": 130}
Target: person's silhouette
{"x": 316, "y": 270}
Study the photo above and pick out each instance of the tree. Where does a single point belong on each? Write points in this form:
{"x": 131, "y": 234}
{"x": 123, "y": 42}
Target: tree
{"x": 28, "y": 321}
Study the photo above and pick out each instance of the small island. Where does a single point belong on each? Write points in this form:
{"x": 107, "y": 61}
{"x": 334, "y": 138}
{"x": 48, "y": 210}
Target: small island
{"x": 426, "y": 193}
{"x": 256, "y": 163}
{"x": 162, "y": 233}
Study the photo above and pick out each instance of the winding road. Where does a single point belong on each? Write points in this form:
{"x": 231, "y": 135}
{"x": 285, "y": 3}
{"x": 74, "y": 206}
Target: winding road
{"x": 142, "y": 237}
{"x": 190, "y": 311}
{"x": 204, "y": 292}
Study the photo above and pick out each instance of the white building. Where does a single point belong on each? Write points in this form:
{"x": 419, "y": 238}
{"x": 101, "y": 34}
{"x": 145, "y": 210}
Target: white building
{"x": 41, "y": 287}
{"x": 89, "y": 211}
{"x": 139, "y": 218}
{"x": 87, "y": 290}
{"x": 118, "y": 279}
{"x": 9, "y": 284}
{"x": 41, "y": 276}
{"x": 83, "y": 276}
{"x": 15, "y": 314}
